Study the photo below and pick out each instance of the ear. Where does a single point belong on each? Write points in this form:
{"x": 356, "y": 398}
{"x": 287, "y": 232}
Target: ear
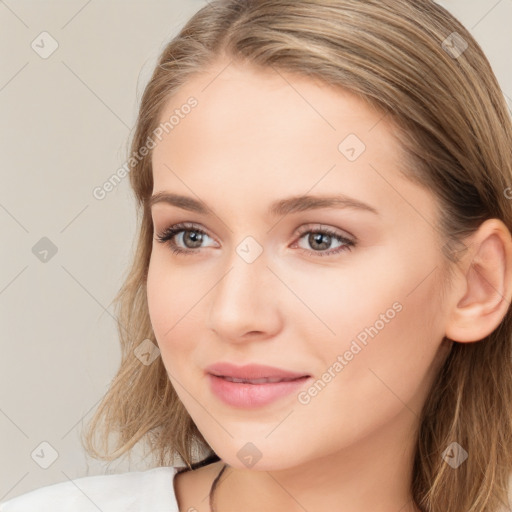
{"x": 482, "y": 291}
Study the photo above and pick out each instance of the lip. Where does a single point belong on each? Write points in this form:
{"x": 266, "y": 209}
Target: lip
{"x": 252, "y": 371}
{"x": 250, "y": 396}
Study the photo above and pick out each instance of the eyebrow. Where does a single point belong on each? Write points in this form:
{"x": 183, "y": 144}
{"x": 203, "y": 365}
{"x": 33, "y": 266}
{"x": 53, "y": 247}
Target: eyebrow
{"x": 280, "y": 207}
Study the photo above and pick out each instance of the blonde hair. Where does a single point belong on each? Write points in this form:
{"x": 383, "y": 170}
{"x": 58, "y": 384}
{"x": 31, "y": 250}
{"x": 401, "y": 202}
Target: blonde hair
{"x": 453, "y": 123}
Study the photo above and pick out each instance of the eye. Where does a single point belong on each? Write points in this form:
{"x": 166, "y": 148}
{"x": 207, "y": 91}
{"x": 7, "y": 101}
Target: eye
{"x": 191, "y": 236}
{"x": 322, "y": 237}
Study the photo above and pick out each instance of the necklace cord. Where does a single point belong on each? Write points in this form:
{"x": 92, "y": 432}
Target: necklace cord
{"x": 213, "y": 487}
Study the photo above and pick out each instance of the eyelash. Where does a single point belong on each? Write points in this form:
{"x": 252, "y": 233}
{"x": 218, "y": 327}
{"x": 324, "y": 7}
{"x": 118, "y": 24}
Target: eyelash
{"x": 168, "y": 234}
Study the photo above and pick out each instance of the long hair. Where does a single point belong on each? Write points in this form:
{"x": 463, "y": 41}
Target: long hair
{"x": 419, "y": 66}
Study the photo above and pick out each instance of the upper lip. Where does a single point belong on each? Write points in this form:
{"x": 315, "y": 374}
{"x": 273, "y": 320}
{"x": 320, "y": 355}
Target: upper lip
{"x": 252, "y": 371}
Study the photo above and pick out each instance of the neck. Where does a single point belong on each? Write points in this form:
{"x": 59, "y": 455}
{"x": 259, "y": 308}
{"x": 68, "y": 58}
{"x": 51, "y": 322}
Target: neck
{"x": 373, "y": 474}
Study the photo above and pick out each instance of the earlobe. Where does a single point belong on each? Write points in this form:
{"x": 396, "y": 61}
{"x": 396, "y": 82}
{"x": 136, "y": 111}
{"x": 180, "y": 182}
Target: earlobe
{"x": 483, "y": 292}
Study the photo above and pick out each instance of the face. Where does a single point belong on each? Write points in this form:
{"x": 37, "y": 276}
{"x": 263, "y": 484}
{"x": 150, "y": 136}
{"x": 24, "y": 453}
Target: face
{"x": 347, "y": 293}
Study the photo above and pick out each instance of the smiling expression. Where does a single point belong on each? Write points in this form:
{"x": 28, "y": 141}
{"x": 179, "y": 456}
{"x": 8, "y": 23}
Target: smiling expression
{"x": 266, "y": 276}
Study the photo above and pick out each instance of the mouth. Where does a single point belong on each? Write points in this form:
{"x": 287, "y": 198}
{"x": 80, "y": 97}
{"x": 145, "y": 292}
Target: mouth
{"x": 253, "y": 373}
{"x": 246, "y": 393}
{"x": 265, "y": 380}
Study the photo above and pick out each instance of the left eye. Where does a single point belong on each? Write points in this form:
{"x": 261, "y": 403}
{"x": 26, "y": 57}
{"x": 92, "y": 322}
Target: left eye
{"x": 320, "y": 238}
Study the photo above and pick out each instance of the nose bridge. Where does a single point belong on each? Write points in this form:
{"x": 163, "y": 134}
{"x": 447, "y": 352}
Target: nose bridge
{"x": 242, "y": 285}
{"x": 242, "y": 301}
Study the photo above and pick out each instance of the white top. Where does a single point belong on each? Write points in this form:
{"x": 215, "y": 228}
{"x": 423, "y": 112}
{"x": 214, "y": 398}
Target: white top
{"x": 136, "y": 491}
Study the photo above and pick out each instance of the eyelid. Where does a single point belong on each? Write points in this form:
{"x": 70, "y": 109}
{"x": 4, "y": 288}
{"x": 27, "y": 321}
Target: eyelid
{"x": 186, "y": 226}
{"x": 305, "y": 228}
{"x": 167, "y": 237}
{"x": 322, "y": 227}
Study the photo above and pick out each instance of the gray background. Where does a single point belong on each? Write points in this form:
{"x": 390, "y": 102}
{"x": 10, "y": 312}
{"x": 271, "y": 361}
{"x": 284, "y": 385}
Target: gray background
{"x": 64, "y": 127}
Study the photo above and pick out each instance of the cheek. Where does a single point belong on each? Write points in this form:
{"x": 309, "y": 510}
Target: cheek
{"x": 159, "y": 296}
{"x": 337, "y": 304}
{"x": 387, "y": 336}
{"x": 365, "y": 385}
{"x": 171, "y": 296}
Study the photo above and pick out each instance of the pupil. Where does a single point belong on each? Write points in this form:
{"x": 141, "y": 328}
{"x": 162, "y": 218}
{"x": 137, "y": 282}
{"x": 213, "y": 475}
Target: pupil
{"x": 196, "y": 237}
{"x": 317, "y": 238}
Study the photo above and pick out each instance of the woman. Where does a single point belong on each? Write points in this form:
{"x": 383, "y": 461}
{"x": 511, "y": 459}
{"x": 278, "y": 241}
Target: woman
{"x": 318, "y": 313}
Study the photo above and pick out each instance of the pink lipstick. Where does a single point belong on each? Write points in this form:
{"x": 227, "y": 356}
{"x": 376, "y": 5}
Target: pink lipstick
{"x": 252, "y": 386}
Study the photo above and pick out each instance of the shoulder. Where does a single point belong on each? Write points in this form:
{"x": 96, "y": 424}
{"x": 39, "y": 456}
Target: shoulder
{"x": 150, "y": 490}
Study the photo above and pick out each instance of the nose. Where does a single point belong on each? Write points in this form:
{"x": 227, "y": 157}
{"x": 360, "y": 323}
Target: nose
{"x": 244, "y": 302}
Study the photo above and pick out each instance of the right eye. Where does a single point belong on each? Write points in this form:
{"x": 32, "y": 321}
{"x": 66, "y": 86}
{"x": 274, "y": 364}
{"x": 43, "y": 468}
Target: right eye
{"x": 169, "y": 234}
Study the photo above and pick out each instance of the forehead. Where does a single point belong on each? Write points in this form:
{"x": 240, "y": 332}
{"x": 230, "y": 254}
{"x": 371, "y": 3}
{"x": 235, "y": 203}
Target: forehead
{"x": 248, "y": 104}
{"x": 275, "y": 133}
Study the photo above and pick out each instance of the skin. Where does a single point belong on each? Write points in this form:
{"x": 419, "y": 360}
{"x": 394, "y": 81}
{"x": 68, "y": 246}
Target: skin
{"x": 255, "y": 137}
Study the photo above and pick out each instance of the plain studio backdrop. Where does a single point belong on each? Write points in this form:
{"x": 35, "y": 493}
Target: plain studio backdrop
{"x": 71, "y": 76}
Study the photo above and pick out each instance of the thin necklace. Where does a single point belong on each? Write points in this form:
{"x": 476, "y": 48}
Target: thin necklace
{"x": 214, "y": 485}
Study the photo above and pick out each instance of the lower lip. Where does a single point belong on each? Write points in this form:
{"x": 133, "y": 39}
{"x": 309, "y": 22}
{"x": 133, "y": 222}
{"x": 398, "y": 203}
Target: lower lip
{"x": 250, "y": 396}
